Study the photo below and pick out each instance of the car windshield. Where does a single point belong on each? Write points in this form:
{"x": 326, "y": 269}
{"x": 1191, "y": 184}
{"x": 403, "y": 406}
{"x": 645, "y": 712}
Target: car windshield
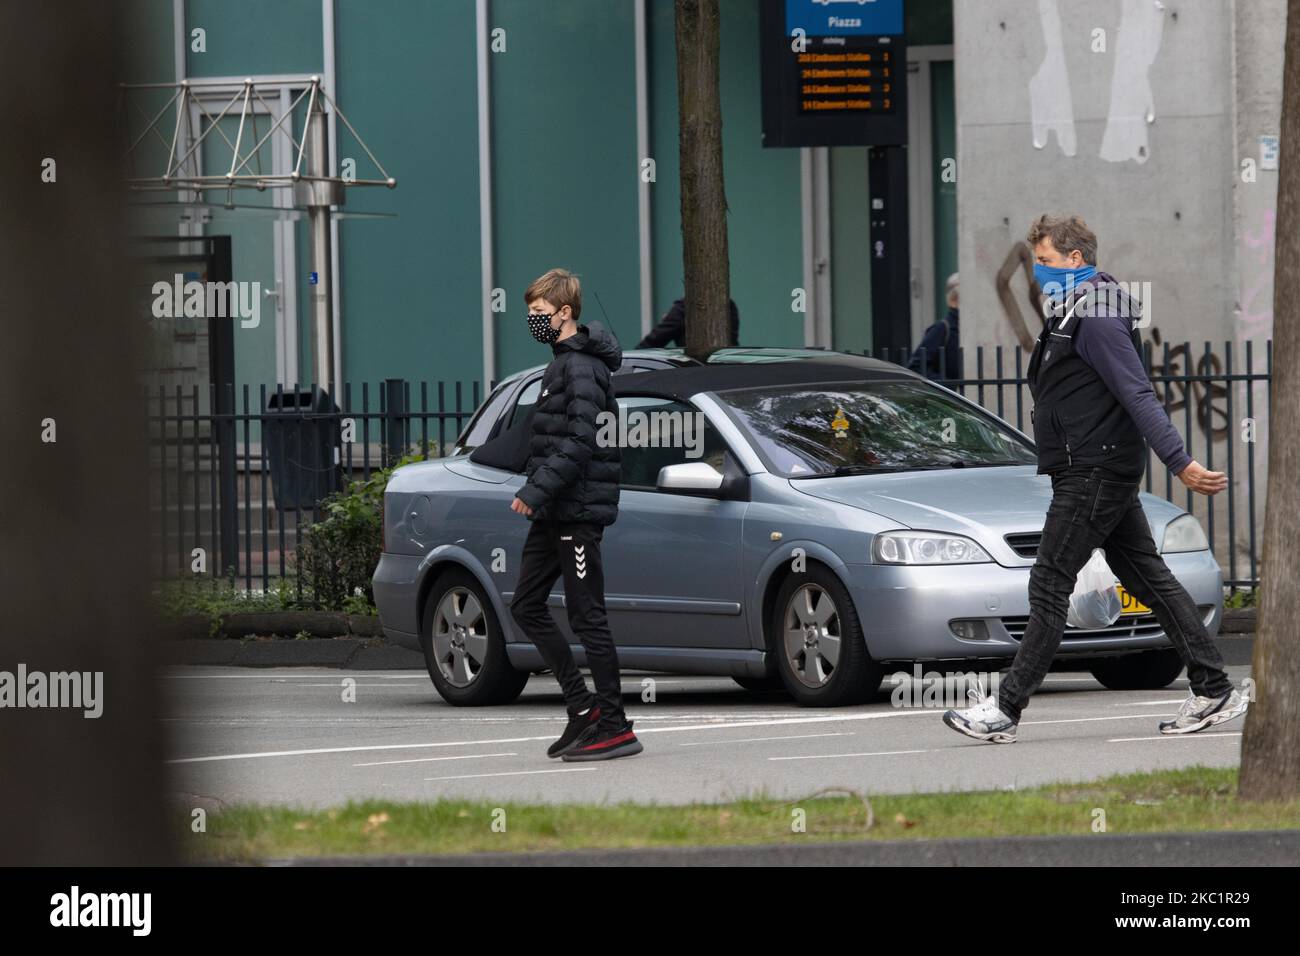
{"x": 867, "y": 427}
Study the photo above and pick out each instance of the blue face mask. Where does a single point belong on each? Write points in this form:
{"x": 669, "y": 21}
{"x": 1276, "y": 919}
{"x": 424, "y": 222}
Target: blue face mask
{"x": 1057, "y": 282}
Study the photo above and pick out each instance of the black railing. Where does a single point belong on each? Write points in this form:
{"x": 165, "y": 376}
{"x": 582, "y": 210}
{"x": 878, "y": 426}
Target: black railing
{"x": 241, "y": 514}
{"x": 233, "y": 483}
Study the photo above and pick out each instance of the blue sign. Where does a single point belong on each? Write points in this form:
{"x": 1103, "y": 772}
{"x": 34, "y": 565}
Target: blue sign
{"x": 844, "y": 18}
{"x": 313, "y": 279}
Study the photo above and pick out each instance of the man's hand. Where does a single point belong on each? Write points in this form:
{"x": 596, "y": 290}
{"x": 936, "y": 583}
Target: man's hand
{"x": 523, "y": 509}
{"x": 1201, "y": 481}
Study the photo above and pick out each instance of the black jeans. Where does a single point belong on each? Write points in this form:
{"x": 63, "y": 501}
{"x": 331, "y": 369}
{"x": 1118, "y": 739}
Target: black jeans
{"x": 1090, "y": 511}
{"x": 551, "y": 549}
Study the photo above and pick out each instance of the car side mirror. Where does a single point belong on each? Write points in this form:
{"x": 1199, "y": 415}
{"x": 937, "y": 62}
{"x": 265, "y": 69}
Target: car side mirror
{"x": 689, "y": 476}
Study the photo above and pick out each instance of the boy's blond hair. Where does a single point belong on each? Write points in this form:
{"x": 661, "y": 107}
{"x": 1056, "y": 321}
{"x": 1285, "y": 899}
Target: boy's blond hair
{"x": 560, "y": 287}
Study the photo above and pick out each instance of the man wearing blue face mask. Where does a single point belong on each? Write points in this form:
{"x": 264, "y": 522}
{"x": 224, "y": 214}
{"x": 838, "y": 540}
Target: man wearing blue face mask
{"x": 1094, "y": 414}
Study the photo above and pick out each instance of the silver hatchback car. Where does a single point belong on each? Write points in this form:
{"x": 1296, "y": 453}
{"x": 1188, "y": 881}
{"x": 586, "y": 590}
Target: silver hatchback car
{"x": 809, "y": 521}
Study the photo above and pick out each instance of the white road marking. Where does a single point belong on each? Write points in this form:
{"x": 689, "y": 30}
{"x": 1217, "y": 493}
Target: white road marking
{"x": 750, "y": 740}
{"x": 879, "y": 753}
{"x": 1084, "y": 720}
{"x": 385, "y": 763}
{"x": 1199, "y": 735}
{"x": 1150, "y": 703}
{"x": 512, "y": 740}
{"x": 511, "y": 773}
{"x": 730, "y": 725}
{"x": 335, "y": 685}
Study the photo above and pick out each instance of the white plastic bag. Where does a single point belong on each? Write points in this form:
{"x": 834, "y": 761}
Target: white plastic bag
{"x": 1095, "y": 602}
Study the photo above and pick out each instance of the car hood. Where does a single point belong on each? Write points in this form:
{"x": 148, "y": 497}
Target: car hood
{"x": 981, "y": 503}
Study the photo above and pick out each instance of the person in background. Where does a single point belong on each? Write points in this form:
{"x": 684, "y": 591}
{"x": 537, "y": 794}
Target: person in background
{"x": 672, "y": 327}
{"x": 940, "y": 347}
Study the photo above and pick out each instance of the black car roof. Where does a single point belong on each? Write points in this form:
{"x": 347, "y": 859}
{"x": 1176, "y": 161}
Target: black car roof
{"x": 685, "y": 382}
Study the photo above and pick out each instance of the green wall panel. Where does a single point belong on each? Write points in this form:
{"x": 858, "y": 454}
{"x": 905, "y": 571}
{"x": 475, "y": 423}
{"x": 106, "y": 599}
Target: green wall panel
{"x": 851, "y": 246}
{"x": 564, "y": 163}
{"x": 245, "y": 37}
{"x": 410, "y": 293}
{"x": 943, "y": 120}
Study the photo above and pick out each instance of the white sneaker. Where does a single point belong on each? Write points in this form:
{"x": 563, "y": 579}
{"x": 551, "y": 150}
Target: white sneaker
{"x": 1198, "y": 712}
{"x": 984, "y": 721}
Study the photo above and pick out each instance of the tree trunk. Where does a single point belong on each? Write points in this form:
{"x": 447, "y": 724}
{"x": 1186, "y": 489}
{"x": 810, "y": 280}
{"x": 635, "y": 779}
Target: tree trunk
{"x": 1270, "y": 746}
{"x": 705, "y": 261}
{"x": 75, "y": 789}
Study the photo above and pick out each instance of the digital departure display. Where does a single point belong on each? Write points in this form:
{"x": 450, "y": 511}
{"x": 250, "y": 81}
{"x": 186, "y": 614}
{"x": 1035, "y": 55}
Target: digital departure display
{"x": 834, "y": 73}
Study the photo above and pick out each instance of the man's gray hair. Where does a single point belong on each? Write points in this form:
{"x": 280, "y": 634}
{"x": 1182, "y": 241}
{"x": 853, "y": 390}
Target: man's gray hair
{"x": 950, "y": 289}
{"x": 1067, "y": 234}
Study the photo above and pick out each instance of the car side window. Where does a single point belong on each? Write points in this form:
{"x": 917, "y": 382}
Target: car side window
{"x": 527, "y": 399}
{"x": 481, "y": 427}
{"x": 660, "y": 432}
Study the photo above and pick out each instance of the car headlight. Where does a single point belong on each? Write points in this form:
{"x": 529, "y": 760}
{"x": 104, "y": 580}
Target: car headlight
{"x": 925, "y": 547}
{"x": 1183, "y": 534}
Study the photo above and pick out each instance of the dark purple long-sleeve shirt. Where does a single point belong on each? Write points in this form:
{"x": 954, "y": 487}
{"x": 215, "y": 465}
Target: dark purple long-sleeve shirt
{"x": 1103, "y": 341}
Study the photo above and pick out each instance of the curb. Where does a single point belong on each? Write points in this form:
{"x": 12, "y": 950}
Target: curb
{"x": 1259, "y": 848}
{"x": 277, "y": 624}
{"x": 354, "y": 653}
{"x": 1240, "y": 620}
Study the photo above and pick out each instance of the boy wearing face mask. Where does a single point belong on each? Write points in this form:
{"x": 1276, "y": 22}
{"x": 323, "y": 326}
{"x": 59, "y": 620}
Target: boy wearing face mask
{"x": 570, "y": 495}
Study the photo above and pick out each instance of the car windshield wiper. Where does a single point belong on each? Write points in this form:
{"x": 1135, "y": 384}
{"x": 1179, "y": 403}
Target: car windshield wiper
{"x": 963, "y": 463}
{"x": 841, "y": 470}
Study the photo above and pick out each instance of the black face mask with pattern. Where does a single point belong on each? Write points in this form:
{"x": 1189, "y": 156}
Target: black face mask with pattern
{"x": 539, "y": 324}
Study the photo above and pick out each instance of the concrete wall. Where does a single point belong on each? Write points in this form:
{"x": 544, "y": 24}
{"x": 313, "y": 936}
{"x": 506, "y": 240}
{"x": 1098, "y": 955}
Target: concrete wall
{"x": 1137, "y": 116}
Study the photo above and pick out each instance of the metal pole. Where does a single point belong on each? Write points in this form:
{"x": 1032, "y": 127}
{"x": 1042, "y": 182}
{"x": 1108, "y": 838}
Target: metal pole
{"x": 319, "y": 194}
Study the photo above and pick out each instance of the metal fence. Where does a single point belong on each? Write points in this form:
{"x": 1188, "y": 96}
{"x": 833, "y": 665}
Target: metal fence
{"x": 234, "y": 479}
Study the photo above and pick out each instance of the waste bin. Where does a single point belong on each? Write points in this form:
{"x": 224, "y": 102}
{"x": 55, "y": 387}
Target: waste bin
{"x": 301, "y": 432}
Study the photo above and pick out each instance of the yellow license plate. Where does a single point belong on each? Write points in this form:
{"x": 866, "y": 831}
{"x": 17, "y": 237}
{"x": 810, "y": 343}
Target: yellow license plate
{"x": 1129, "y": 604}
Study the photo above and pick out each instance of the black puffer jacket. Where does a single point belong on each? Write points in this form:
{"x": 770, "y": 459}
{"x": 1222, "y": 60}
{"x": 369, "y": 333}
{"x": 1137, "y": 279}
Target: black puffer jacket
{"x": 570, "y": 477}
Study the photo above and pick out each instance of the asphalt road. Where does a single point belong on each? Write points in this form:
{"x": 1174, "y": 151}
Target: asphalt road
{"x": 288, "y": 735}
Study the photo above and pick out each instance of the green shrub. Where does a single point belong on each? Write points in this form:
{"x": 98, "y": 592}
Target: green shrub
{"x": 338, "y": 555}
{"x": 1248, "y": 597}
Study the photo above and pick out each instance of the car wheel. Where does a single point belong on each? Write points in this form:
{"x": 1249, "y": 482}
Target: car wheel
{"x": 1150, "y": 670}
{"x": 770, "y": 682}
{"x": 821, "y": 653}
{"x": 464, "y": 645}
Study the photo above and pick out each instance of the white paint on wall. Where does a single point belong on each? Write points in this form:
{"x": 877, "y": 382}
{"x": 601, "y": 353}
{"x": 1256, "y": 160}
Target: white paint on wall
{"x": 1132, "y": 106}
{"x": 1050, "y": 105}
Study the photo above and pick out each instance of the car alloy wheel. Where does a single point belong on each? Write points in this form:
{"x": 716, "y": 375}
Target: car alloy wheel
{"x": 811, "y": 635}
{"x": 460, "y": 637}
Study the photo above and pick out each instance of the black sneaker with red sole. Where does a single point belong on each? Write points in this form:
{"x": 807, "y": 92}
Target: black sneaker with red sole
{"x": 573, "y": 730}
{"x": 605, "y": 742}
